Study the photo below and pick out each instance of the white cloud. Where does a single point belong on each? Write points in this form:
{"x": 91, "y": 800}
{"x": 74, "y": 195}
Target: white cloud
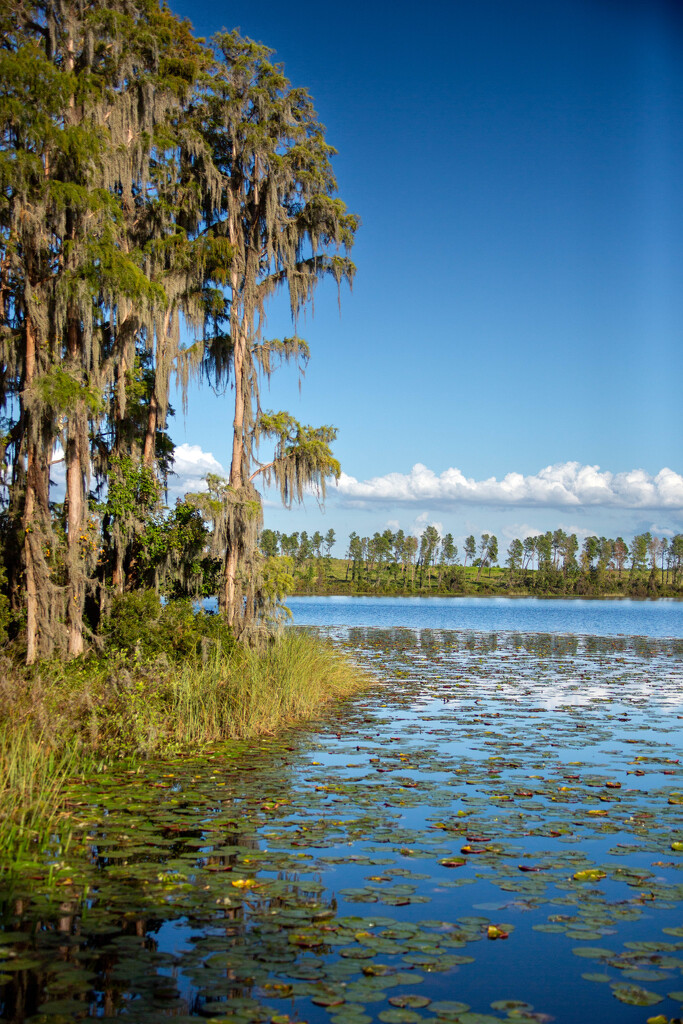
{"x": 190, "y": 465}
{"x": 421, "y": 522}
{"x": 661, "y": 531}
{"x": 567, "y": 484}
{"x": 515, "y": 530}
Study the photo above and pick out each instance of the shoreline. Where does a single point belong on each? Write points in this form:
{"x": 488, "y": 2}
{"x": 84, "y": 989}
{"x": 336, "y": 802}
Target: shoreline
{"x": 491, "y": 595}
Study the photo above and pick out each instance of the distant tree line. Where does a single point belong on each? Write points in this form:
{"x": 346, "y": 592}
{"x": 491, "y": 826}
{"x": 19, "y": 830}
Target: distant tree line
{"x": 554, "y": 562}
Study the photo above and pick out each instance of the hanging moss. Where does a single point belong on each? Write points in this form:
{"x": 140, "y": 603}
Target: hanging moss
{"x": 148, "y": 182}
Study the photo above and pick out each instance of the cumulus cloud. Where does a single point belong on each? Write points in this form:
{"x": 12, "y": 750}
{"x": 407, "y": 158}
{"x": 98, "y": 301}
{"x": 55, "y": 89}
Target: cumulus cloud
{"x": 514, "y": 530}
{"x": 190, "y": 465}
{"x": 661, "y": 531}
{"x": 421, "y": 523}
{"x": 566, "y": 484}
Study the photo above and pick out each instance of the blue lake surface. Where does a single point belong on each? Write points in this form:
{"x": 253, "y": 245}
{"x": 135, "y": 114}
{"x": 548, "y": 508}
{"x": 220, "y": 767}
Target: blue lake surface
{"x": 663, "y": 618}
{"x": 495, "y": 823}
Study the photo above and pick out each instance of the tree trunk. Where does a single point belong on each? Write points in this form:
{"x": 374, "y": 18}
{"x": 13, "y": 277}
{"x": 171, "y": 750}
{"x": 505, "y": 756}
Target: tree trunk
{"x": 76, "y": 472}
{"x": 31, "y": 588}
{"x": 35, "y": 520}
{"x": 149, "y": 447}
{"x": 35, "y": 517}
{"x": 74, "y": 528}
{"x": 230, "y": 578}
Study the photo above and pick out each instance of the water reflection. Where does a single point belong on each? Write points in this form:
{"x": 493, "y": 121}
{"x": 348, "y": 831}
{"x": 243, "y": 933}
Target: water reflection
{"x": 493, "y": 783}
{"x": 662, "y": 618}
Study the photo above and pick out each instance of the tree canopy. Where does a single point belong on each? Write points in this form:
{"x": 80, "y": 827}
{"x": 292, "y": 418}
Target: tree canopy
{"x": 152, "y": 188}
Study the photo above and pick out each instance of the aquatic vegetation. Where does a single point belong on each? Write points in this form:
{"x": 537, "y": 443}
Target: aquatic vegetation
{"x": 68, "y": 719}
{"x": 33, "y": 780}
{"x": 487, "y": 835}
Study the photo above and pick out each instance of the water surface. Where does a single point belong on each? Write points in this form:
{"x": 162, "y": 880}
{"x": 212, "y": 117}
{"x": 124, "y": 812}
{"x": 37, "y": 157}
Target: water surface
{"x": 494, "y": 832}
{"x": 528, "y": 614}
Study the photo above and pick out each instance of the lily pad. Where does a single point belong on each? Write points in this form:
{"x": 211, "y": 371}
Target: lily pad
{"x": 633, "y": 995}
{"x": 448, "y": 1008}
{"x": 399, "y": 1017}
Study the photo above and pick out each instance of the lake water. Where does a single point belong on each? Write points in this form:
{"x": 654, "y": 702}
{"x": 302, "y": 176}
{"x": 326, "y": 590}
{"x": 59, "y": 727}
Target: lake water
{"x": 493, "y": 832}
{"x": 541, "y": 615}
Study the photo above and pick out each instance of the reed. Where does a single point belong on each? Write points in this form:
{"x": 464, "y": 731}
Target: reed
{"x": 251, "y": 694}
{"x": 61, "y": 720}
{"x": 33, "y": 778}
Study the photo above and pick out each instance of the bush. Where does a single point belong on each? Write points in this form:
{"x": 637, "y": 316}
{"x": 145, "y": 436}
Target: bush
{"x": 4, "y": 606}
{"x": 140, "y": 626}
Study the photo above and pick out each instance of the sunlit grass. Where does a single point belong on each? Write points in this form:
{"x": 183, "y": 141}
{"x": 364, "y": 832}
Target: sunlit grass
{"x": 32, "y": 781}
{"x": 63, "y": 718}
{"x": 253, "y": 693}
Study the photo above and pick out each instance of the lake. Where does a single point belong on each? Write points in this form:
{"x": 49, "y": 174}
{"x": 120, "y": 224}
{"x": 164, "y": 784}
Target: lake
{"x": 493, "y": 832}
{"x": 543, "y": 615}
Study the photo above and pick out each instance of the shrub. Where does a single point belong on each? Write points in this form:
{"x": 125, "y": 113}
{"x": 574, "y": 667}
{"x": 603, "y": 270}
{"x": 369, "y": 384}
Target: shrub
{"x": 140, "y": 626}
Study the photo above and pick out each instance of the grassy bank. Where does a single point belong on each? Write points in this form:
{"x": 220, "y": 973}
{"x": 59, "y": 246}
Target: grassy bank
{"x": 335, "y": 576}
{"x": 167, "y": 680}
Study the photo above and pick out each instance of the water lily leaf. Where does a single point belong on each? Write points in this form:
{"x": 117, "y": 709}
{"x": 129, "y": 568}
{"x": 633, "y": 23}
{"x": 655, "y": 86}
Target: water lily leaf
{"x": 350, "y": 1016}
{"x": 478, "y": 1018}
{"x": 20, "y": 963}
{"x": 323, "y": 999}
{"x": 511, "y": 1004}
{"x": 448, "y": 1008}
{"x": 590, "y": 875}
{"x": 633, "y": 995}
{"x": 411, "y": 1000}
{"x": 399, "y": 1017}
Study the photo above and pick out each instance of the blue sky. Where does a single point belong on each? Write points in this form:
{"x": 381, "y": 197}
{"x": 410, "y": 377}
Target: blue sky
{"x": 518, "y": 301}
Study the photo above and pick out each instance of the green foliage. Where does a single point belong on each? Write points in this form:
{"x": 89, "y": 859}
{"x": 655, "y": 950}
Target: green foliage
{"x": 133, "y": 489}
{"x": 105, "y": 268}
{"x": 5, "y": 614}
{"x": 303, "y": 456}
{"x": 140, "y": 626}
{"x": 60, "y": 391}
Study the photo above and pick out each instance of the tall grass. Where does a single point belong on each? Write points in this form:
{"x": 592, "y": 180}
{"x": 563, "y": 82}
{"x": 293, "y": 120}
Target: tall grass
{"x": 58, "y": 720}
{"x": 254, "y": 694}
{"x": 32, "y": 783}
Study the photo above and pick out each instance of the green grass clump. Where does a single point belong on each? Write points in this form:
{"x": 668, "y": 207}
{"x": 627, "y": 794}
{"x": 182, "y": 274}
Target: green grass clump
{"x": 32, "y": 782}
{"x": 256, "y": 693}
{"x": 167, "y": 679}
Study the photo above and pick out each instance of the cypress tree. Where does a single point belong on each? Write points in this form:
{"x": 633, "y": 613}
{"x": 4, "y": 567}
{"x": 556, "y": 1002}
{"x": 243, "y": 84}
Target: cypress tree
{"x": 146, "y": 180}
{"x": 86, "y": 86}
{"x": 278, "y": 208}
